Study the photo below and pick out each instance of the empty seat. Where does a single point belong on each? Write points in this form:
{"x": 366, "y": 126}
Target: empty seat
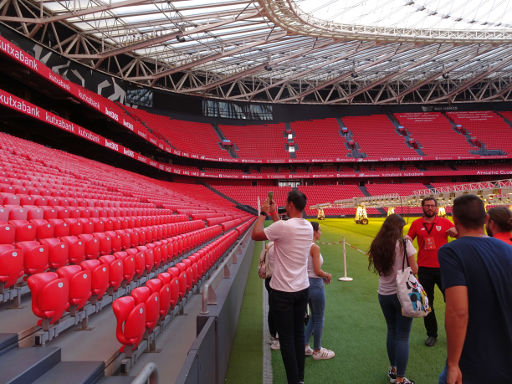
{"x": 75, "y": 226}
{"x": 76, "y": 249}
{"x": 35, "y": 256}
{"x": 99, "y": 277}
{"x": 24, "y": 230}
{"x": 131, "y": 322}
{"x": 11, "y": 265}
{"x": 58, "y": 252}
{"x": 105, "y": 242}
{"x": 116, "y": 272}
{"x": 164, "y": 290}
{"x": 128, "y": 264}
{"x": 50, "y": 295}
{"x": 79, "y": 284}
{"x": 44, "y": 229}
{"x": 152, "y": 301}
{"x": 91, "y": 245}
{"x": 60, "y": 227}
{"x": 33, "y": 212}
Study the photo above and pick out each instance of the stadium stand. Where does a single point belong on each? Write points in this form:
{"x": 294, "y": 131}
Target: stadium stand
{"x": 487, "y": 127}
{"x": 377, "y": 137}
{"x": 434, "y": 133}
{"x": 258, "y": 142}
{"x": 319, "y": 139}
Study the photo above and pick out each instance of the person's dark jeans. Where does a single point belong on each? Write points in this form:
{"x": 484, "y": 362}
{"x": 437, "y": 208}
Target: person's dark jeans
{"x": 429, "y": 277}
{"x": 271, "y": 318}
{"x": 399, "y": 327}
{"x": 289, "y": 309}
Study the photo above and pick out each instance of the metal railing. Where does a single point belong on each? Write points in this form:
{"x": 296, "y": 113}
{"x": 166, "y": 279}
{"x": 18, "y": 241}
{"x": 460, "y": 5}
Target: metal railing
{"x": 148, "y": 375}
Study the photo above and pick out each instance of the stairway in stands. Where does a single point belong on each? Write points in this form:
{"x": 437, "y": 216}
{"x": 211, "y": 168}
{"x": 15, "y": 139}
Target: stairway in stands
{"x": 355, "y": 149}
{"x": 43, "y": 365}
{"x": 231, "y": 149}
{"x": 366, "y": 193}
{"x": 405, "y": 133}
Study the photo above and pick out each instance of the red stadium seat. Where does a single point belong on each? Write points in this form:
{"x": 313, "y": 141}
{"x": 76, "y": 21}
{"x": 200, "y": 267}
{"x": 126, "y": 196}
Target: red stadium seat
{"x": 4, "y": 215}
{"x": 164, "y": 290}
{"x": 182, "y": 278}
{"x": 49, "y": 213}
{"x": 34, "y": 213}
{"x": 116, "y": 241}
{"x": 128, "y": 264}
{"x": 116, "y": 272}
{"x": 157, "y": 253}
{"x": 75, "y": 226}
{"x": 11, "y": 265}
{"x": 58, "y": 252}
{"x": 44, "y": 229}
{"x": 105, "y": 243}
{"x": 9, "y": 199}
{"x": 24, "y": 230}
{"x": 50, "y": 295}
{"x": 79, "y": 284}
{"x": 131, "y": 322}
{"x": 60, "y": 227}
{"x": 76, "y": 249}
{"x": 99, "y": 277}
{"x": 91, "y": 244}
{"x": 35, "y": 256}
{"x": 87, "y": 225}
{"x": 16, "y": 212}
{"x": 152, "y": 302}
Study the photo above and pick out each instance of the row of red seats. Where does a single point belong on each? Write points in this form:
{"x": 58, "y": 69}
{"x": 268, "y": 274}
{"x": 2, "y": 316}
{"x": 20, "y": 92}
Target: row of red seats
{"x": 31, "y": 257}
{"x": 139, "y": 313}
{"x": 72, "y": 286}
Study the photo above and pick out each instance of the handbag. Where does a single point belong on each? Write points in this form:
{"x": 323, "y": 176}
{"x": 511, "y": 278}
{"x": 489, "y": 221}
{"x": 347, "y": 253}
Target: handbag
{"x": 410, "y": 292}
{"x": 264, "y": 267}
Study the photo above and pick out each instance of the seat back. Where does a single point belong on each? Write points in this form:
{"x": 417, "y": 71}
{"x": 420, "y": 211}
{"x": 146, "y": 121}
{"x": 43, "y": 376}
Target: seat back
{"x": 131, "y": 321}
{"x": 35, "y": 256}
{"x": 50, "y": 295}
{"x": 11, "y": 265}
{"x": 80, "y": 283}
{"x": 58, "y": 252}
{"x": 99, "y": 276}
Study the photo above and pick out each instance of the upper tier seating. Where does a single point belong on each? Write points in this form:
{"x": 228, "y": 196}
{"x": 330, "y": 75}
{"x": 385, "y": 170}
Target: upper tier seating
{"x": 377, "y": 137}
{"x": 319, "y": 139}
{"x": 258, "y": 142}
{"x": 434, "y": 133}
{"x": 487, "y": 127}
{"x": 186, "y": 136}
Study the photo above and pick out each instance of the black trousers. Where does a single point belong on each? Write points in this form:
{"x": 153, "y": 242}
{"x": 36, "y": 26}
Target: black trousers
{"x": 272, "y": 328}
{"x": 289, "y": 309}
{"x": 429, "y": 277}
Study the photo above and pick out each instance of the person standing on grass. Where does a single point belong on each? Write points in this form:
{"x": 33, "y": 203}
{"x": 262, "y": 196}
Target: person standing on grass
{"x": 289, "y": 295}
{"x": 316, "y": 300}
{"x": 475, "y": 272}
{"x": 386, "y": 258}
{"x": 432, "y": 233}
{"x": 499, "y": 224}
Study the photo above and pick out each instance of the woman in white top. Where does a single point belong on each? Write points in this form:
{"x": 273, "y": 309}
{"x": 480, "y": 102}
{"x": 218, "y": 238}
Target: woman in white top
{"x": 316, "y": 300}
{"x": 386, "y": 257}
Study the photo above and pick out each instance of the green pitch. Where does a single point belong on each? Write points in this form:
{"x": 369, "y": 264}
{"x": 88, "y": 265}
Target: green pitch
{"x": 354, "y": 325}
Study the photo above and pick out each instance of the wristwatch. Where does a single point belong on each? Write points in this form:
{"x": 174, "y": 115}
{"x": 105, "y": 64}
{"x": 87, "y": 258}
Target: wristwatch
{"x": 263, "y": 214}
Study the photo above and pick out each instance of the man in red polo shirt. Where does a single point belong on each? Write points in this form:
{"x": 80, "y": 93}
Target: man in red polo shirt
{"x": 432, "y": 233}
{"x": 499, "y": 225}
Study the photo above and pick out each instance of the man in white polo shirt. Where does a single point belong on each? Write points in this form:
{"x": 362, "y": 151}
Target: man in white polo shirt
{"x": 292, "y": 241}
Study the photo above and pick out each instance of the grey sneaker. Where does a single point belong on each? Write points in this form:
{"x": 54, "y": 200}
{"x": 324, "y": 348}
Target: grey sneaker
{"x": 275, "y": 345}
{"x": 392, "y": 375}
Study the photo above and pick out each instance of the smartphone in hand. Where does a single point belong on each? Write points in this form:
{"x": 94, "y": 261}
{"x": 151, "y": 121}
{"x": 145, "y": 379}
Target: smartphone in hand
{"x": 270, "y": 196}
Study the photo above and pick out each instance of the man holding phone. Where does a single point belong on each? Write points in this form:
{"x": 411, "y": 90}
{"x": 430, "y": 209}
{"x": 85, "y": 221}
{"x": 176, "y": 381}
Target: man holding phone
{"x": 288, "y": 299}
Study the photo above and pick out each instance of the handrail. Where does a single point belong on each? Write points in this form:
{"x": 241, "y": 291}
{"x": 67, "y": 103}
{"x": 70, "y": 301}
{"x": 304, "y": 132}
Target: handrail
{"x": 148, "y": 375}
{"x": 208, "y": 292}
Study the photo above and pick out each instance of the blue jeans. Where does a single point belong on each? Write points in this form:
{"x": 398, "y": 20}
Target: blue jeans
{"x": 444, "y": 375}
{"x": 316, "y": 301}
{"x": 399, "y": 327}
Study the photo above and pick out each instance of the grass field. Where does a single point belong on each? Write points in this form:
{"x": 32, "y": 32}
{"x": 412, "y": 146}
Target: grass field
{"x": 354, "y": 325}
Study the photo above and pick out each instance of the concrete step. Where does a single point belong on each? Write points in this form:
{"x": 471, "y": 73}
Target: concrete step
{"x": 24, "y": 365}
{"x": 76, "y": 372}
{"x": 8, "y": 341}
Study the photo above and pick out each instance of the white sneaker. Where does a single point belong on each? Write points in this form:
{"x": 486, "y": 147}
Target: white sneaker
{"x": 275, "y": 345}
{"x": 271, "y": 339}
{"x": 308, "y": 351}
{"x": 323, "y": 354}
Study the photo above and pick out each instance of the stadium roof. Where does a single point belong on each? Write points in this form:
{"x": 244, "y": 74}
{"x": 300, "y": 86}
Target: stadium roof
{"x": 302, "y": 51}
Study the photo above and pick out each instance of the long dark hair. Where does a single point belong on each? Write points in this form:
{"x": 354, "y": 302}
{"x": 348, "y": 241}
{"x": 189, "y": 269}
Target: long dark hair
{"x": 381, "y": 255}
